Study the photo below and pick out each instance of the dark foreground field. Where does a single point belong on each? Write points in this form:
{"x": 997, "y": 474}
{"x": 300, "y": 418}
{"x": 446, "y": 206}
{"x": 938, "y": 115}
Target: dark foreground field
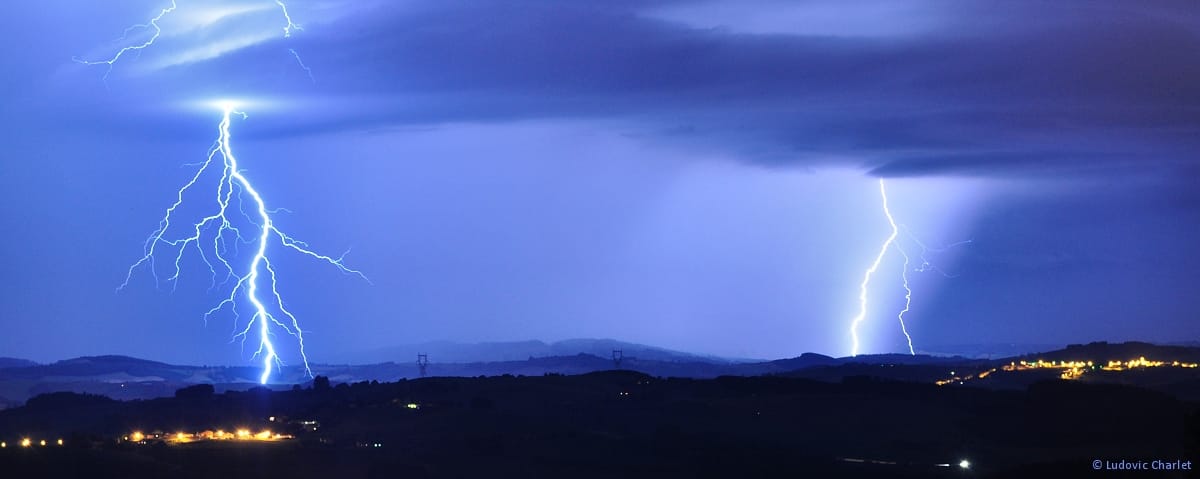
{"x": 612, "y": 424}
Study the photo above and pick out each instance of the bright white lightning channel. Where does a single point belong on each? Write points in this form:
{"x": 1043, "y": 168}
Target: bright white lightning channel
{"x": 889, "y": 243}
{"x": 251, "y": 281}
{"x": 287, "y": 29}
{"x": 862, "y": 293}
{"x": 907, "y": 300}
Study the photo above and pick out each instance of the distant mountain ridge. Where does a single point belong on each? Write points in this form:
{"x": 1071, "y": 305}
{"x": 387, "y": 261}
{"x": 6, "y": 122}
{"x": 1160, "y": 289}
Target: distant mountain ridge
{"x": 455, "y": 352}
{"x": 989, "y": 350}
{"x": 123, "y": 377}
{"x": 92, "y": 366}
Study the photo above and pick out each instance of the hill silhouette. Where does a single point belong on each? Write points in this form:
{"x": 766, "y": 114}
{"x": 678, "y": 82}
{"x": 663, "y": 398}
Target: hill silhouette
{"x": 456, "y": 352}
{"x": 124, "y": 377}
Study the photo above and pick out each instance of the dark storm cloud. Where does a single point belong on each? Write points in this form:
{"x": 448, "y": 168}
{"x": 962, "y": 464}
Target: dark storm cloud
{"x": 552, "y": 169}
{"x": 1018, "y": 88}
{"x": 1013, "y": 89}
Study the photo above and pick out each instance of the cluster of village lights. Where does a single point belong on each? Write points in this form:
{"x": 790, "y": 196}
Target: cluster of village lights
{"x": 241, "y": 434}
{"x": 27, "y": 442}
{"x": 1070, "y": 369}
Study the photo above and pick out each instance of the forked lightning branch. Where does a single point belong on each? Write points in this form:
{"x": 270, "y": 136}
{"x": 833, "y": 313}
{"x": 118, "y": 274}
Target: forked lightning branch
{"x": 216, "y": 239}
{"x": 893, "y": 242}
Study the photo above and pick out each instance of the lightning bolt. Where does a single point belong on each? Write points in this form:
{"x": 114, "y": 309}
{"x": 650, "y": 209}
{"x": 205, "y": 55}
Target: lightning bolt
{"x": 258, "y": 281}
{"x": 926, "y": 265}
{"x": 302, "y": 65}
{"x": 862, "y": 294}
{"x": 287, "y": 33}
{"x": 907, "y": 300}
{"x": 152, "y": 24}
{"x": 287, "y": 29}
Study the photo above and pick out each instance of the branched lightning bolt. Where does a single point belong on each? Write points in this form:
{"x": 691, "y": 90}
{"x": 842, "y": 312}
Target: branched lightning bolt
{"x": 287, "y": 29}
{"x": 862, "y": 295}
{"x": 216, "y": 255}
{"x": 926, "y": 265}
{"x": 287, "y": 33}
{"x": 153, "y": 24}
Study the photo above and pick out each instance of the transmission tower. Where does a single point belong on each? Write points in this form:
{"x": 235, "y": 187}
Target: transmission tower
{"x": 423, "y": 363}
{"x": 617, "y": 356}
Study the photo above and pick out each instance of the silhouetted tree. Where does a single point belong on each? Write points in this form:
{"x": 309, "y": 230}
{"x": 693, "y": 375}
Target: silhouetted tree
{"x": 321, "y": 383}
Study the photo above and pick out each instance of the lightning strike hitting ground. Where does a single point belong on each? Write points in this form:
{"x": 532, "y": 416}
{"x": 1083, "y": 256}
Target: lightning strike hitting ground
{"x": 862, "y": 294}
{"x": 926, "y": 265}
{"x": 907, "y": 300}
{"x": 250, "y": 281}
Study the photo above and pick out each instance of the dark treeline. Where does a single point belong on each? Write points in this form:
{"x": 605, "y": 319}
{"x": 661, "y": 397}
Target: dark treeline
{"x": 619, "y": 423}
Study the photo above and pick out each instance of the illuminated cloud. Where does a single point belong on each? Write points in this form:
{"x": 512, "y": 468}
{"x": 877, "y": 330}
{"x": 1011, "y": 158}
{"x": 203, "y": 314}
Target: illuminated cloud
{"x": 179, "y": 33}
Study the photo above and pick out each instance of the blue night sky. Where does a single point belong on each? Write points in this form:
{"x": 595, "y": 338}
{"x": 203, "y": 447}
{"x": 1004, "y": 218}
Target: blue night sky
{"x": 694, "y": 175}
